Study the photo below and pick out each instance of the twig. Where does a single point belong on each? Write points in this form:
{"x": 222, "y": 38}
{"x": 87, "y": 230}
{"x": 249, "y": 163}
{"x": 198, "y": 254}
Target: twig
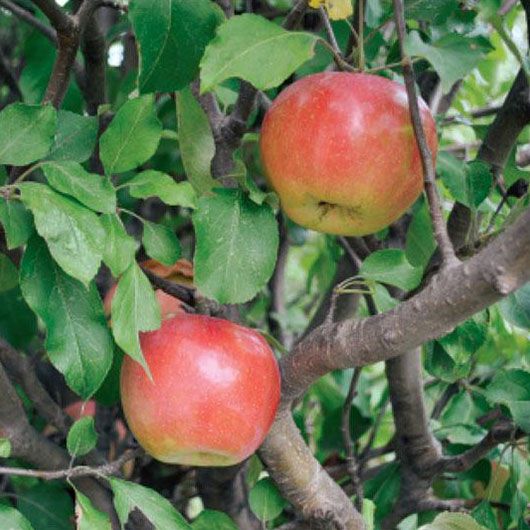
{"x": 329, "y": 30}
{"x": 352, "y": 254}
{"x": 360, "y": 33}
{"x": 295, "y": 15}
{"x": 501, "y": 432}
{"x": 351, "y": 458}
{"x": 20, "y": 367}
{"x": 185, "y": 294}
{"x": 60, "y": 20}
{"x": 341, "y": 63}
{"x": 440, "y": 228}
{"x": 77, "y": 471}
{"x": 28, "y": 17}
{"x": 478, "y": 113}
{"x": 368, "y": 453}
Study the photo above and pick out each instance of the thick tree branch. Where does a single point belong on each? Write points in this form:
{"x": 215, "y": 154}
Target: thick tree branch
{"x": 452, "y": 296}
{"x": 440, "y": 228}
{"x": 416, "y": 447}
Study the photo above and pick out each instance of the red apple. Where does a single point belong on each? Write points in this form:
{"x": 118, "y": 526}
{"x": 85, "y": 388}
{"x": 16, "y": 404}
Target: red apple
{"x": 340, "y": 151}
{"x": 214, "y": 394}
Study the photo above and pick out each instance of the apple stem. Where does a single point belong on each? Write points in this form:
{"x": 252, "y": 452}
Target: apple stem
{"x": 440, "y": 228}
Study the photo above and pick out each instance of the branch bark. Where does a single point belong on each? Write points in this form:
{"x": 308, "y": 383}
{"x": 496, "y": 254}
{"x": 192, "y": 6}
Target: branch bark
{"x": 32, "y": 447}
{"x": 452, "y": 296}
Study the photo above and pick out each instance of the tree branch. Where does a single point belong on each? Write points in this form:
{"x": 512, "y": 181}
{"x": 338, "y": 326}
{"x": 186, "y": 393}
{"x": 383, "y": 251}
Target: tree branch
{"x": 451, "y": 297}
{"x": 32, "y": 447}
{"x": 111, "y": 468}
{"x": 28, "y": 17}
{"x": 416, "y": 447}
{"x": 440, "y": 228}
{"x": 21, "y": 368}
{"x": 502, "y": 431}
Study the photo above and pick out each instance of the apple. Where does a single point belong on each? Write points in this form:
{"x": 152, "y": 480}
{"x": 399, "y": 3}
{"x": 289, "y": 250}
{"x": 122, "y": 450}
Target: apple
{"x": 339, "y": 150}
{"x": 213, "y": 396}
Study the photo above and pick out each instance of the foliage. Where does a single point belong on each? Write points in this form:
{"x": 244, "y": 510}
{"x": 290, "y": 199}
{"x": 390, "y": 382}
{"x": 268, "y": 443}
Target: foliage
{"x": 92, "y": 185}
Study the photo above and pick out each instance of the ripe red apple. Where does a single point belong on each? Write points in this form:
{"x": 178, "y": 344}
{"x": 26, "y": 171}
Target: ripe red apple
{"x": 340, "y": 151}
{"x": 214, "y": 394}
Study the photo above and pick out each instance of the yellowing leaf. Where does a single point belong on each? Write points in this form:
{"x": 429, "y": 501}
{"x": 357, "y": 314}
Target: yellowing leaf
{"x": 337, "y": 9}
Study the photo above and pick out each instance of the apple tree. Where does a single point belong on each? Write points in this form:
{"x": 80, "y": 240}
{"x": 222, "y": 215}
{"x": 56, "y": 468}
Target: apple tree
{"x": 137, "y": 190}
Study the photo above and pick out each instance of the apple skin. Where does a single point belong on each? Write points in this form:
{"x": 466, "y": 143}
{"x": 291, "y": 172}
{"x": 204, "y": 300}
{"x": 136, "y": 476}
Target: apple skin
{"x": 214, "y": 394}
{"x": 339, "y": 150}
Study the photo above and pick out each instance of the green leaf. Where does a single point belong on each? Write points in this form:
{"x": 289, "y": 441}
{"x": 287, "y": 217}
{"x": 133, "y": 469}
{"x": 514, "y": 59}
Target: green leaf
{"x": 120, "y": 247}
{"x": 265, "y": 500}
{"x": 512, "y": 388}
{"x": 196, "y": 143}
{"x": 73, "y": 233}
{"x": 515, "y": 308}
{"x": 161, "y": 243}
{"x": 5, "y": 448}
{"x": 82, "y": 436}
{"x": 256, "y": 50}
{"x": 48, "y": 506}
{"x": 171, "y": 40}
{"x": 78, "y": 340}
{"x": 8, "y": 274}
{"x": 484, "y": 515}
{"x": 76, "y": 137}
{"x": 433, "y": 11}
{"x": 159, "y": 511}
{"x": 420, "y": 244}
{"x": 453, "y": 56}
{"x": 440, "y": 364}
{"x": 153, "y": 183}
{"x": 453, "y": 521}
{"x": 369, "y": 513}
{"x": 392, "y": 267}
{"x": 237, "y": 243}
{"x": 468, "y": 183}
{"x": 87, "y": 517}
{"x": 26, "y": 133}
{"x": 11, "y": 519}
{"x": 132, "y": 136}
{"x": 134, "y": 309}
{"x": 18, "y": 323}
{"x": 17, "y": 222}
{"x": 509, "y": 385}
{"x": 465, "y": 339}
{"x": 94, "y": 191}
{"x": 209, "y": 519}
